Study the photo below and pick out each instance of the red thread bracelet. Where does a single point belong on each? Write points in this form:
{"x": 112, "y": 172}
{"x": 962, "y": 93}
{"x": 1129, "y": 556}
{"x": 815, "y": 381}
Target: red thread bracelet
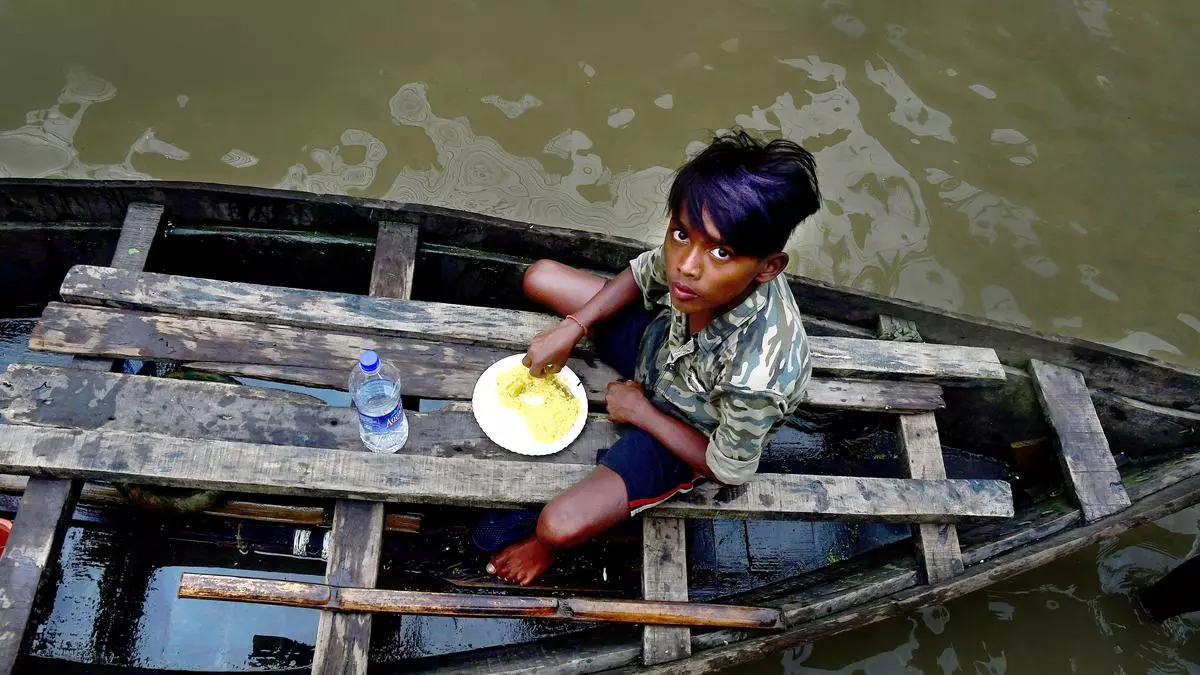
{"x": 576, "y": 320}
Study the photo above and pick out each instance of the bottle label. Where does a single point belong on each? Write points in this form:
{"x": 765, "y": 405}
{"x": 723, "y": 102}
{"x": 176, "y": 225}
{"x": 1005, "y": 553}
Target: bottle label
{"x": 382, "y": 423}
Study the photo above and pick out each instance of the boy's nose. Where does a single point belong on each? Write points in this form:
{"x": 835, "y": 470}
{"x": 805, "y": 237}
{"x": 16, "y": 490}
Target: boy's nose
{"x": 690, "y": 265}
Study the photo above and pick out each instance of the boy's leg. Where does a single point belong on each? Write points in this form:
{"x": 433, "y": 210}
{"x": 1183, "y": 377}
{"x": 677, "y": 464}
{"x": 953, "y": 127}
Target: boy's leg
{"x": 582, "y": 512}
{"x": 560, "y": 287}
{"x": 636, "y": 473}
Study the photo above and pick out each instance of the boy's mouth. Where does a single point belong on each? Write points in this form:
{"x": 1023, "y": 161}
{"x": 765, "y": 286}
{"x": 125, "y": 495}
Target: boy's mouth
{"x": 683, "y": 293}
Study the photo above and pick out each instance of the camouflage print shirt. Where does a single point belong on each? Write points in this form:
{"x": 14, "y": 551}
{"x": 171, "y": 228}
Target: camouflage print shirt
{"x": 736, "y": 380}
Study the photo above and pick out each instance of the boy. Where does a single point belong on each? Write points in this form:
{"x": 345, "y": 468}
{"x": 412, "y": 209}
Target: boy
{"x": 715, "y": 355}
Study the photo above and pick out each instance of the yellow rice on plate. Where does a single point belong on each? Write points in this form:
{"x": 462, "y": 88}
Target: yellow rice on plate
{"x": 546, "y": 403}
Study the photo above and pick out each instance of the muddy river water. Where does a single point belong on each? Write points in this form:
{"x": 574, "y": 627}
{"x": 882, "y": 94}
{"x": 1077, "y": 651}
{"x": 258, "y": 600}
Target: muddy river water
{"x": 1029, "y": 162}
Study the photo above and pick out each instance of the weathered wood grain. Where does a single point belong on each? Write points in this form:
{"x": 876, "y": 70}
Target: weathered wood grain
{"x": 395, "y": 255}
{"x": 946, "y": 364}
{"x": 937, "y": 544}
{"x": 303, "y": 356}
{"x": 900, "y": 330}
{"x": 1139, "y": 429}
{"x": 356, "y": 541}
{"x": 509, "y": 329}
{"x": 314, "y": 472}
{"x": 432, "y": 370}
{"x": 101, "y": 494}
{"x": 133, "y": 248}
{"x": 344, "y": 640}
{"x": 863, "y": 395}
{"x": 1084, "y": 452}
{"x": 1049, "y": 522}
{"x": 55, "y": 397}
{"x": 137, "y": 233}
{"x": 32, "y": 546}
{"x": 324, "y": 596}
{"x": 664, "y": 577}
{"x": 591, "y": 652}
{"x": 460, "y": 324}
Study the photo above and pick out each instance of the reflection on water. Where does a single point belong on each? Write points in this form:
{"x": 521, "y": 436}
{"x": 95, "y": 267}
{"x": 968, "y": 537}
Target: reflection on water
{"x": 475, "y": 173}
{"x": 44, "y": 147}
{"x": 1031, "y": 164}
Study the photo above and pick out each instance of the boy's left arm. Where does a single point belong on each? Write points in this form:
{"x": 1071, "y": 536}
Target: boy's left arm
{"x": 627, "y": 403}
{"x": 747, "y": 422}
{"x": 730, "y": 456}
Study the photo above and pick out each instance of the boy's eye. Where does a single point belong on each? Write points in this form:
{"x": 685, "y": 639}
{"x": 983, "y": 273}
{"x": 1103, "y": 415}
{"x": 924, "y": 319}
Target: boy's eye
{"x": 721, "y": 253}
{"x": 679, "y": 234}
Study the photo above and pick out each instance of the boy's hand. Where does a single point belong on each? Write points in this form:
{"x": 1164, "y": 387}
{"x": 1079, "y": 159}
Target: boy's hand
{"x": 549, "y": 350}
{"x": 626, "y": 401}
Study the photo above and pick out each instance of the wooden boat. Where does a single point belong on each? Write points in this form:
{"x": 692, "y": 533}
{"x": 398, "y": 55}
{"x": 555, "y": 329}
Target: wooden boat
{"x": 1034, "y": 429}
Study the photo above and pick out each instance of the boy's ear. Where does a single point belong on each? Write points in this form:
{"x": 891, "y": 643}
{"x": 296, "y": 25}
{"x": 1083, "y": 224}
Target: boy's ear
{"x": 771, "y": 267}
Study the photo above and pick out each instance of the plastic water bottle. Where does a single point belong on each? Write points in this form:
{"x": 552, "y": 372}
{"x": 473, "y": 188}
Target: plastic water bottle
{"x": 375, "y": 388}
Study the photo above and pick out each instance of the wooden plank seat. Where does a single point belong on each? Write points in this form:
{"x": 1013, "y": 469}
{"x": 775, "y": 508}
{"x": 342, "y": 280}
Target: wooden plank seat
{"x": 306, "y": 356}
{"x": 460, "y": 324}
{"x": 330, "y": 473}
{"x": 1083, "y": 450}
{"x": 46, "y": 396}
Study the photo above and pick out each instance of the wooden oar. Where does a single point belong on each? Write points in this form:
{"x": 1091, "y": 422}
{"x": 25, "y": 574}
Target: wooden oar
{"x": 378, "y": 601}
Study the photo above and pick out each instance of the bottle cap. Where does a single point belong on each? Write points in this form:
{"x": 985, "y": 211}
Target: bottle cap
{"x": 369, "y": 361}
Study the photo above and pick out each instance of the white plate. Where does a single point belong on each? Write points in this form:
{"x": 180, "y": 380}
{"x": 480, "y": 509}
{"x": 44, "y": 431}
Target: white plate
{"x": 506, "y": 426}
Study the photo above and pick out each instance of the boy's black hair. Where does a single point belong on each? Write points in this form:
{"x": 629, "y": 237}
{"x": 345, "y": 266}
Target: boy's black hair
{"x": 755, "y": 193}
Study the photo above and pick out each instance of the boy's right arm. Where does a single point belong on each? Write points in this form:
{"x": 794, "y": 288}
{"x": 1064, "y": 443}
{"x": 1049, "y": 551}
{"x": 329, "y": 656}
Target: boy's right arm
{"x": 552, "y": 348}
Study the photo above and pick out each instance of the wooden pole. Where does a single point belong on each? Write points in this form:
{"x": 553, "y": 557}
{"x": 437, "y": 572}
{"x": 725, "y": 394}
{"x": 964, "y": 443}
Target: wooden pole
{"x": 379, "y": 601}
{"x": 664, "y": 577}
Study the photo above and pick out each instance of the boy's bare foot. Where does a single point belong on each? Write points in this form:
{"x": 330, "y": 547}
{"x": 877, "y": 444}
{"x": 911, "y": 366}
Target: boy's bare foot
{"x": 523, "y": 561}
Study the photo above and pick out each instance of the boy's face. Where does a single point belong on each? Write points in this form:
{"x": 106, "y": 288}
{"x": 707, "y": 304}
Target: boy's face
{"x": 704, "y": 274}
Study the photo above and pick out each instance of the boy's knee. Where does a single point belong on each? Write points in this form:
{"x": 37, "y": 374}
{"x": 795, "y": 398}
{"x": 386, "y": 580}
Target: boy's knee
{"x": 558, "y": 527}
{"x": 536, "y": 277}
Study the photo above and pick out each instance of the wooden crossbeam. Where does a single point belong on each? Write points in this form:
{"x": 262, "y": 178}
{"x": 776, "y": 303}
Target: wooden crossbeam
{"x": 235, "y": 509}
{"x": 137, "y": 234}
{"x": 937, "y": 543}
{"x": 664, "y": 577}
{"x": 314, "y": 472}
{"x": 395, "y": 258}
{"x": 324, "y": 596}
{"x": 303, "y": 356}
{"x": 32, "y": 547}
{"x": 356, "y": 542}
{"x": 1084, "y": 453}
{"x": 56, "y": 397}
{"x": 46, "y": 505}
{"x": 344, "y": 640}
{"x": 462, "y": 324}
{"x": 507, "y": 329}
